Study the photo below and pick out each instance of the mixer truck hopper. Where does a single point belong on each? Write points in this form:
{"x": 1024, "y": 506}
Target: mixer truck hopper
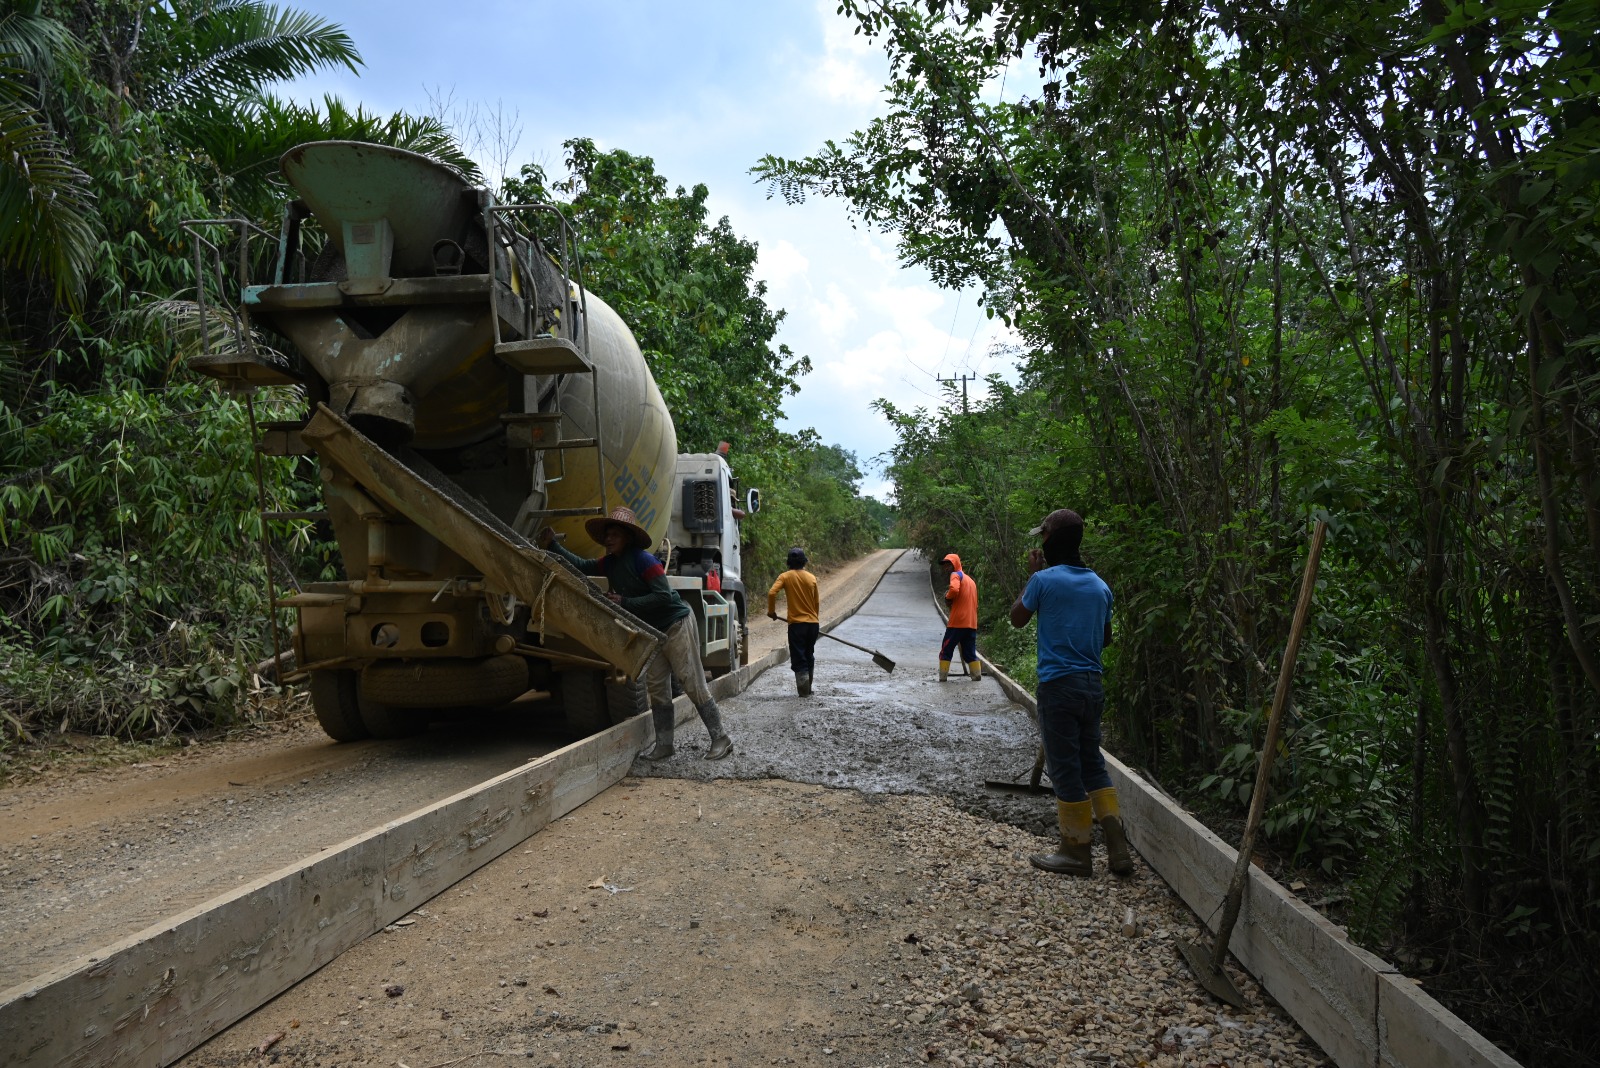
{"x": 463, "y": 389}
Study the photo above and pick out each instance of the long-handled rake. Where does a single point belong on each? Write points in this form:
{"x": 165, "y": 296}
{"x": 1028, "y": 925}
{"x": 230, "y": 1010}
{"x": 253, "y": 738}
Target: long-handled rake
{"x": 877, "y": 657}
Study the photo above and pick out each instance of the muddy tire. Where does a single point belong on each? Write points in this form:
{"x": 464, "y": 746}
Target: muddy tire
{"x": 433, "y": 684}
{"x": 584, "y": 701}
{"x": 335, "y": 700}
{"x": 388, "y": 721}
{"x": 624, "y": 700}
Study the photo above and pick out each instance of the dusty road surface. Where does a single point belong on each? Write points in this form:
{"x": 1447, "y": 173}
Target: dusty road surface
{"x": 838, "y": 892}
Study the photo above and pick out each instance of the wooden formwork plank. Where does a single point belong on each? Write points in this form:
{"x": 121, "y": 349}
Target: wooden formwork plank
{"x": 151, "y": 998}
{"x": 1418, "y": 1032}
{"x": 1328, "y": 985}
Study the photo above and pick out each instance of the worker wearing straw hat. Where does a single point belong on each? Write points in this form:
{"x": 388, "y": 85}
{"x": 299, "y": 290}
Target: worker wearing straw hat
{"x": 639, "y": 583}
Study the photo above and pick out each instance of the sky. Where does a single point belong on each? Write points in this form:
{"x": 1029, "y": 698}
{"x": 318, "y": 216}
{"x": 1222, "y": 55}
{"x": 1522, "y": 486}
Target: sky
{"x": 705, "y": 89}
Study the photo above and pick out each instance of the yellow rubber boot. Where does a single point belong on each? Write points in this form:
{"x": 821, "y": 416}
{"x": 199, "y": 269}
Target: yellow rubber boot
{"x": 975, "y": 669}
{"x": 944, "y": 670}
{"x": 1109, "y": 813}
{"x": 1074, "y": 820}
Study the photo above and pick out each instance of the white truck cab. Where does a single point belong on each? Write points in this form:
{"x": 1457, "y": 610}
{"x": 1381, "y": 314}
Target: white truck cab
{"x": 703, "y": 553}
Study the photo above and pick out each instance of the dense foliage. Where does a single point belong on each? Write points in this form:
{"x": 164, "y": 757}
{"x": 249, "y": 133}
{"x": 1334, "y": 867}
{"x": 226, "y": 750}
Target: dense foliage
{"x": 133, "y": 574}
{"x": 131, "y": 588}
{"x": 1274, "y": 261}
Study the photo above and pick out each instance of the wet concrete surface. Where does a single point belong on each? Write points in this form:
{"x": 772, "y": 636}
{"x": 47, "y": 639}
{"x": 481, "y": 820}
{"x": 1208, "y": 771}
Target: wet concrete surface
{"x": 898, "y": 732}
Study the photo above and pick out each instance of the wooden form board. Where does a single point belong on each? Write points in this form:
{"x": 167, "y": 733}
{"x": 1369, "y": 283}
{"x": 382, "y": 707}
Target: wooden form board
{"x": 158, "y": 994}
{"x": 1358, "y": 1008}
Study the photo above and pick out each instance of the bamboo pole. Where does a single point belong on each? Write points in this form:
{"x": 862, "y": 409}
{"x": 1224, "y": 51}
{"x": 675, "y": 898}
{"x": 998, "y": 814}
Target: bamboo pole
{"x": 1269, "y": 751}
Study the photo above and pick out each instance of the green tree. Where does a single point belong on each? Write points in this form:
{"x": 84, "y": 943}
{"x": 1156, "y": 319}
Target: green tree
{"x": 133, "y": 581}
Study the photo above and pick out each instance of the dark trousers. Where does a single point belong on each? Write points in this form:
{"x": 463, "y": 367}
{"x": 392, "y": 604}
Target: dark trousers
{"x": 967, "y": 636}
{"x": 803, "y": 647}
{"x": 1069, "y": 720}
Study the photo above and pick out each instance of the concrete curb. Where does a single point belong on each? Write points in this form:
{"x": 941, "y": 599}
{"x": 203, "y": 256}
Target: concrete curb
{"x": 1358, "y": 1008}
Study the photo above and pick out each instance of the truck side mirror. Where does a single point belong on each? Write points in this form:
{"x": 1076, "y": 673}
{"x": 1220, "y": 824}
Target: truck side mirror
{"x": 752, "y": 501}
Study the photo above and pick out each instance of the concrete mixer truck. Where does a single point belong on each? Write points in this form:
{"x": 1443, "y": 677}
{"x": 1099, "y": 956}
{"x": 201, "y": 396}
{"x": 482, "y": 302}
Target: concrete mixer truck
{"x": 463, "y": 389}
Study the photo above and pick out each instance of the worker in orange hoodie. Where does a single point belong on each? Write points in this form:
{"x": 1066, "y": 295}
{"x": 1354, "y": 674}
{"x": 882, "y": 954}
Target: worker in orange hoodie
{"x": 962, "y": 626}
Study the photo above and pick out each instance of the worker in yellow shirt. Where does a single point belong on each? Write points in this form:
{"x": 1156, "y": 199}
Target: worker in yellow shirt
{"x": 799, "y": 588}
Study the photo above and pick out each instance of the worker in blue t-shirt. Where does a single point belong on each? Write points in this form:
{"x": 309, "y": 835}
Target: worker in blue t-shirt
{"x": 1074, "y": 609}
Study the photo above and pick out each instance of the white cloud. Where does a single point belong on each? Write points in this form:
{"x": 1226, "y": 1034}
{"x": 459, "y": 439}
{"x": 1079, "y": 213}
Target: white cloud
{"x": 851, "y": 68}
{"x": 781, "y": 262}
{"x": 836, "y": 312}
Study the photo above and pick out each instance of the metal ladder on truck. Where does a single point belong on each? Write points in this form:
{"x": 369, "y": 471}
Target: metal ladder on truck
{"x": 540, "y": 354}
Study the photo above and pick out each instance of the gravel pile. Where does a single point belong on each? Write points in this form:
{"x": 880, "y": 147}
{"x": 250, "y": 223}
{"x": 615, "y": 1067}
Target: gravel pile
{"x": 1020, "y": 967}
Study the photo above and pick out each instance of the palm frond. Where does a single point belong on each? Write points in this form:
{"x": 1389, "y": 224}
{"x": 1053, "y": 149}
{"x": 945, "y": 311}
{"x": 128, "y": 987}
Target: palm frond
{"x": 247, "y": 144}
{"x": 234, "y": 49}
{"x": 48, "y": 221}
{"x": 36, "y": 42}
{"x": 225, "y": 332}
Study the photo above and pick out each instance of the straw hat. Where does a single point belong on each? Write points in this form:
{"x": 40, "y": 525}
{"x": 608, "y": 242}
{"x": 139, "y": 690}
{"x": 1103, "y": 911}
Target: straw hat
{"x": 622, "y": 517}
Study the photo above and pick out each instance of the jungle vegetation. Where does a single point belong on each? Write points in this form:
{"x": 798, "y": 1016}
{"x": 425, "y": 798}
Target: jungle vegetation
{"x": 132, "y": 578}
{"x": 1266, "y": 263}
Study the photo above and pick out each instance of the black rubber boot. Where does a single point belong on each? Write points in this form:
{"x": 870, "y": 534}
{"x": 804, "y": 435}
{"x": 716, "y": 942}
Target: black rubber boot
{"x": 802, "y": 683}
{"x": 662, "y": 716}
{"x": 721, "y": 744}
{"x": 1117, "y": 857}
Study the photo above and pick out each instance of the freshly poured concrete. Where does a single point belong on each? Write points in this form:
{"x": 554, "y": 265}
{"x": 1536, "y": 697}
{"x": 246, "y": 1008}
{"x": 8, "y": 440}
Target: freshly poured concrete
{"x": 867, "y": 729}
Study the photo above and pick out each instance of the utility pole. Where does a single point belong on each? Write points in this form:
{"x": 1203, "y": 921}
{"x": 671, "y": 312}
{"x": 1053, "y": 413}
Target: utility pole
{"x": 964, "y": 379}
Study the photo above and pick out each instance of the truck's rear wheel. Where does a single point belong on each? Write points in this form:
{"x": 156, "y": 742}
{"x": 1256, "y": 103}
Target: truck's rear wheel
{"x": 626, "y": 699}
{"x": 583, "y": 701}
{"x": 592, "y": 702}
{"x": 429, "y": 684}
{"x": 335, "y": 700}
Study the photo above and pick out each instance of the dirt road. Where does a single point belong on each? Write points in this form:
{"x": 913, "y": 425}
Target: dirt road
{"x": 840, "y": 891}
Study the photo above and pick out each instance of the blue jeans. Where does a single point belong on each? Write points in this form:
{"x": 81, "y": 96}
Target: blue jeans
{"x": 1069, "y": 721}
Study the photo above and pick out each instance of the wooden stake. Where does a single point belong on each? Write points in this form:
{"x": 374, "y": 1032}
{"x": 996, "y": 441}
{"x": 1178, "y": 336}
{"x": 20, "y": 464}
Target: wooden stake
{"x": 1258, "y": 799}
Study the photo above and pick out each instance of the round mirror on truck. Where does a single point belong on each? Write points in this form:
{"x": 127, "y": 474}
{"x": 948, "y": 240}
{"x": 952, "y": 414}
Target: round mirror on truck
{"x": 752, "y": 501}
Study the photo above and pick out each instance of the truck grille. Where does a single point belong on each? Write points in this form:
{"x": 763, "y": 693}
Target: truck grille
{"x": 701, "y": 514}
